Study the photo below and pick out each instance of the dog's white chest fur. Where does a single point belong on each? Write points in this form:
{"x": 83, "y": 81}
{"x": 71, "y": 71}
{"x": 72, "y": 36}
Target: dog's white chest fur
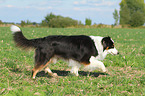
{"x": 101, "y": 54}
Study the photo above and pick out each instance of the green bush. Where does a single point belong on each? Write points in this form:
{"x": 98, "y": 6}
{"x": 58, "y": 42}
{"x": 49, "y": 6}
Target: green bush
{"x": 88, "y": 21}
{"x": 57, "y": 21}
{"x": 62, "y": 22}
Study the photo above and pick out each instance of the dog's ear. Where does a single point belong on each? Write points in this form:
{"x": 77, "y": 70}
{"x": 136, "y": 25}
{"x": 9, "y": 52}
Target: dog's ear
{"x": 104, "y": 44}
{"x": 109, "y": 37}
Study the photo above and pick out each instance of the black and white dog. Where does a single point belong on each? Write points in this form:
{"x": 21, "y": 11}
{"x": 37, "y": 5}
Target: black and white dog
{"x": 78, "y": 50}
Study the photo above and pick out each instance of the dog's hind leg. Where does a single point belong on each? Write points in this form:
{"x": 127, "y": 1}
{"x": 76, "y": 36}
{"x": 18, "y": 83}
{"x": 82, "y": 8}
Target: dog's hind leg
{"x": 37, "y": 68}
{"x": 42, "y": 59}
{"x": 47, "y": 70}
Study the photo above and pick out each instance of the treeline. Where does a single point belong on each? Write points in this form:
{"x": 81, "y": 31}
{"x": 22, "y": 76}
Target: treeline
{"x": 53, "y": 21}
{"x": 132, "y": 13}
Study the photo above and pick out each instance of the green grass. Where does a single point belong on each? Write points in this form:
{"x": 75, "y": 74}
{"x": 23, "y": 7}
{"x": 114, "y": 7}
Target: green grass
{"x": 126, "y": 74}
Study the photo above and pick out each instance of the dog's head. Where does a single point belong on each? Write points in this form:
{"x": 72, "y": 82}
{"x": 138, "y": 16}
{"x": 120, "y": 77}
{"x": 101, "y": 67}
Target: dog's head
{"x": 108, "y": 45}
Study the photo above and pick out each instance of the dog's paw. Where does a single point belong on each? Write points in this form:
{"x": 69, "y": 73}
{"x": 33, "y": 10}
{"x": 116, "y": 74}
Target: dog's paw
{"x": 54, "y": 75}
{"x": 105, "y": 70}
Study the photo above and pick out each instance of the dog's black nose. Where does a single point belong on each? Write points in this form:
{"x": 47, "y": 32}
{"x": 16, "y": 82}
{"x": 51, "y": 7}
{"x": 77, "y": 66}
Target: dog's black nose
{"x": 118, "y": 53}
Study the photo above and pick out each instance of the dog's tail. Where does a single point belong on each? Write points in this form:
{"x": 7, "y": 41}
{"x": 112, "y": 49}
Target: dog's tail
{"x": 20, "y": 39}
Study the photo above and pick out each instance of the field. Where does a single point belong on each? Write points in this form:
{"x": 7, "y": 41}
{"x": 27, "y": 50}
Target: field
{"x": 126, "y": 76}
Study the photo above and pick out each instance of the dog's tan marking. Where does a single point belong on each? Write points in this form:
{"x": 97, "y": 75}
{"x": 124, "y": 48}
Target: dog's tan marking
{"x": 107, "y": 48}
{"x": 37, "y": 68}
{"x": 85, "y": 63}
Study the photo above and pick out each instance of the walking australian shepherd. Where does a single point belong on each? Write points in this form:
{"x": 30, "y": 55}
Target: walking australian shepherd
{"x": 78, "y": 50}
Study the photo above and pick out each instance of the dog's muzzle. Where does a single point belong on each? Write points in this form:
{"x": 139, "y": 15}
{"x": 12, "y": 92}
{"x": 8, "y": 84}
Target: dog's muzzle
{"x": 113, "y": 51}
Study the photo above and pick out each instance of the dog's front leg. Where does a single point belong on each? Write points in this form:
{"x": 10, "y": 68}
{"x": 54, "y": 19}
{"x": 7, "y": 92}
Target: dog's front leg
{"x": 50, "y": 73}
{"x": 95, "y": 64}
{"x": 74, "y": 70}
{"x": 75, "y": 67}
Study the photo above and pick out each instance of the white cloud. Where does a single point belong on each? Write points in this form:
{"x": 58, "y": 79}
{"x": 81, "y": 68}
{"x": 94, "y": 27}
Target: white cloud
{"x": 10, "y": 6}
{"x": 105, "y": 3}
{"x": 29, "y": 7}
{"x": 76, "y": 2}
{"x": 81, "y": 2}
{"x": 94, "y": 3}
{"x": 43, "y": 8}
{"x": 46, "y": 3}
{"x": 87, "y": 9}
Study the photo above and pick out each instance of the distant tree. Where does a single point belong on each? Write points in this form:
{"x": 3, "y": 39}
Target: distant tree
{"x": 80, "y": 23}
{"x": 62, "y": 22}
{"x": 28, "y": 22}
{"x": 88, "y": 21}
{"x": 124, "y": 14}
{"x": 23, "y": 23}
{"x": 116, "y": 16}
{"x": 49, "y": 17}
{"x": 132, "y": 12}
{"x": 137, "y": 19}
{"x": 34, "y": 23}
{"x": 1, "y": 22}
{"x": 44, "y": 23}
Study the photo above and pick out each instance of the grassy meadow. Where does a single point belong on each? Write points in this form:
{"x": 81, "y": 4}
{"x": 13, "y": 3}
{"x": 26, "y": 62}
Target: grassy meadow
{"x": 126, "y": 76}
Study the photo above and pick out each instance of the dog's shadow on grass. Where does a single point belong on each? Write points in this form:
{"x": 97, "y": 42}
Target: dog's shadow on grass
{"x": 66, "y": 73}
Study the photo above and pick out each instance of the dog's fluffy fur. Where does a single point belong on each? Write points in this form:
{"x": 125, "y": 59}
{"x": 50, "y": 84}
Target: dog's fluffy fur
{"x": 77, "y": 50}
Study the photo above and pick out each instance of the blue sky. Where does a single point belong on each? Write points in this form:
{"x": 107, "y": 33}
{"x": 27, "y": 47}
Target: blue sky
{"x": 99, "y": 11}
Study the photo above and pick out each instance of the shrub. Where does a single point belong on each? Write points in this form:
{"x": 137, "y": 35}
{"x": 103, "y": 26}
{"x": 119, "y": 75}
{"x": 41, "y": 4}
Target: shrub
{"x": 57, "y": 21}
